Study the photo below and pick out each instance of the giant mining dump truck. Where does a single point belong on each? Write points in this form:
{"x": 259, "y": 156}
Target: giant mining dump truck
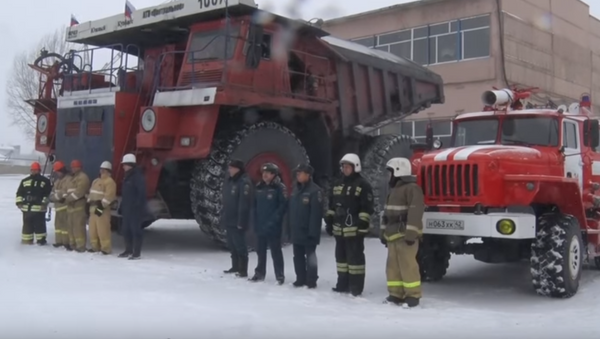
{"x": 192, "y": 84}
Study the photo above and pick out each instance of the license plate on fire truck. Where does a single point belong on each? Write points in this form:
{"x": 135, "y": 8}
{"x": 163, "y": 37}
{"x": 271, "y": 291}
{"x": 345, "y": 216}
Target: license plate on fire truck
{"x": 437, "y": 224}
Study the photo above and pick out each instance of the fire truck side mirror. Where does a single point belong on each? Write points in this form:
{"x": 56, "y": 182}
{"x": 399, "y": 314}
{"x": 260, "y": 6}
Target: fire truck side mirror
{"x": 254, "y": 51}
{"x": 591, "y": 133}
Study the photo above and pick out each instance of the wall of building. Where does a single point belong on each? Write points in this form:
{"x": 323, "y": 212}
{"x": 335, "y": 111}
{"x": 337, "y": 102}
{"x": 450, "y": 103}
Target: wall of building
{"x": 550, "y": 44}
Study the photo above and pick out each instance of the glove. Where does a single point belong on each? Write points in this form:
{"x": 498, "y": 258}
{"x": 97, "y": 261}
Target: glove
{"x": 329, "y": 229}
{"x": 363, "y": 225}
{"x": 383, "y": 241}
{"x": 409, "y": 242}
{"x": 99, "y": 204}
{"x": 98, "y": 211}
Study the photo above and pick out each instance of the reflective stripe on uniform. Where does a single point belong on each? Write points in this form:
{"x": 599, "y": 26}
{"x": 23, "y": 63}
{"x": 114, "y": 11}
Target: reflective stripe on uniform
{"x": 26, "y": 183}
{"x": 27, "y": 236}
{"x": 413, "y": 228}
{"x": 40, "y": 235}
{"x": 350, "y": 231}
{"x": 364, "y": 216}
{"x": 404, "y": 284}
{"x": 330, "y": 213}
{"x": 356, "y": 269}
{"x": 395, "y": 207}
{"x": 337, "y": 230}
{"x": 97, "y": 192}
{"x": 106, "y": 201}
{"x": 74, "y": 209}
{"x": 19, "y": 199}
{"x": 61, "y": 208}
{"x": 342, "y": 267}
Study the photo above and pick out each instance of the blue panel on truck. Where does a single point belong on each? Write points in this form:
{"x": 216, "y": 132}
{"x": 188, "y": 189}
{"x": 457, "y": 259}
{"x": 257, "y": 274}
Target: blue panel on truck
{"x": 86, "y": 134}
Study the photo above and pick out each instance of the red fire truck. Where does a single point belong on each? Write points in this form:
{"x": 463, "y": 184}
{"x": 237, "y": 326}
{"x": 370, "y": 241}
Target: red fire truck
{"x": 525, "y": 182}
{"x": 198, "y": 82}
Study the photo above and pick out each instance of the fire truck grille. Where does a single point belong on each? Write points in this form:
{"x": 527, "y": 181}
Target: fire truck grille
{"x": 447, "y": 181}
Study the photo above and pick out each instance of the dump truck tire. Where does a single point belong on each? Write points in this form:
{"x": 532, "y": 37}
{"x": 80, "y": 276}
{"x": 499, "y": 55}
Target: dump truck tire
{"x": 255, "y": 145}
{"x": 557, "y": 256}
{"x": 381, "y": 149}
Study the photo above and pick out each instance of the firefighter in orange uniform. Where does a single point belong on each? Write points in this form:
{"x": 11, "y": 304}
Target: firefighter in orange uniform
{"x": 58, "y": 197}
{"x": 78, "y": 186}
{"x": 102, "y": 194}
{"x": 32, "y": 200}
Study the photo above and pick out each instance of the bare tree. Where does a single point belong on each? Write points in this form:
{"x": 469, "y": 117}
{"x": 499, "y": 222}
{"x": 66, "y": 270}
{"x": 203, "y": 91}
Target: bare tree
{"x": 24, "y": 82}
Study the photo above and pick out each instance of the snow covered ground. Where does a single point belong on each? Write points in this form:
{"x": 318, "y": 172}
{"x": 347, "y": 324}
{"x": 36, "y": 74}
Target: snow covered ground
{"x": 178, "y": 292}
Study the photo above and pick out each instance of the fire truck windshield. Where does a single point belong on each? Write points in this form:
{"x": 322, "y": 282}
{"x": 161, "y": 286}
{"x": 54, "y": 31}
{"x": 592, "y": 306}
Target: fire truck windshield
{"x": 514, "y": 130}
{"x": 210, "y": 45}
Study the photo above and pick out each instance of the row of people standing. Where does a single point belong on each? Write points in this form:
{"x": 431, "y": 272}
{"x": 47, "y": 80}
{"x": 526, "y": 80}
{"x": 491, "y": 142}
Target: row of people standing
{"x": 77, "y": 203}
{"x": 347, "y": 219}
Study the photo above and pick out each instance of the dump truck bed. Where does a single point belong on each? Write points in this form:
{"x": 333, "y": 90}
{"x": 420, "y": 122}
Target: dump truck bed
{"x": 377, "y": 87}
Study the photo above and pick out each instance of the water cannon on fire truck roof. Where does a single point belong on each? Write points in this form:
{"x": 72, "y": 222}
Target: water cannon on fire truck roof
{"x": 505, "y": 99}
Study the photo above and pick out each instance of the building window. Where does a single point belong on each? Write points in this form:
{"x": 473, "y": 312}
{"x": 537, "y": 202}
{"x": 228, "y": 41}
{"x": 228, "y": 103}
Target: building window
{"x": 452, "y": 41}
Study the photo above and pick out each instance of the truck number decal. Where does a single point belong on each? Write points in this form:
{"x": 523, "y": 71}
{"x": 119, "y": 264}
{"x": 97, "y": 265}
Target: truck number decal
{"x": 455, "y": 225}
{"x": 209, "y": 3}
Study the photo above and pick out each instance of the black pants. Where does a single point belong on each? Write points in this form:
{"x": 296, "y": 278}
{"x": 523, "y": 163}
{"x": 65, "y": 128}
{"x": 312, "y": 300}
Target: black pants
{"x": 350, "y": 260}
{"x": 305, "y": 264}
{"x": 236, "y": 242}
{"x": 274, "y": 243}
{"x": 34, "y": 224}
{"x": 133, "y": 234}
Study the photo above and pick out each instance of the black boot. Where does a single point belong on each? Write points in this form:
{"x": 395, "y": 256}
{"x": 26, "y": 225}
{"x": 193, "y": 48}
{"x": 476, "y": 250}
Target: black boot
{"x": 91, "y": 250}
{"x": 411, "y": 302}
{"x": 42, "y": 242}
{"x": 235, "y": 262}
{"x": 280, "y": 280}
{"x": 134, "y": 257}
{"x": 125, "y": 254}
{"x": 393, "y": 300}
{"x": 340, "y": 290}
{"x": 68, "y": 248}
{"x": 257, "y": 278}
{"x": 243, "y": 268}
{"x": 298, "y": 283}
{"x": 57, "y": 245}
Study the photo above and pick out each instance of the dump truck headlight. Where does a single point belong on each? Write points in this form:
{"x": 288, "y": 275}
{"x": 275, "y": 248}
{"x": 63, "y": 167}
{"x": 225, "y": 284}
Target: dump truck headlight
{"x": 148, "y": 120}
{"x": 506, "y": 227}
{"x": 42, "y": 123}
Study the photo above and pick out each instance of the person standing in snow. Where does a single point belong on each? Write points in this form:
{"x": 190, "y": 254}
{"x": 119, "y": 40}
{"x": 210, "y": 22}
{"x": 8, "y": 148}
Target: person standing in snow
{"x": 348, "y": 219}
{"x": 32, "y": 200}
{"x": 133, "y": 207}
{"x": 58, "y": 197}
{"x": 78, "y": 186}
{"x": 305, "y": 220}
{"x": 401, "y": 228}
{"x": 236, "y": 215}
{"x": 102, "y": 195}
{"x": 270, "y": 204}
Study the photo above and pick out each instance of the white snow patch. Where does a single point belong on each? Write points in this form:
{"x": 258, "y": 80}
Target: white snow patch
{"x": 178, "y": 291}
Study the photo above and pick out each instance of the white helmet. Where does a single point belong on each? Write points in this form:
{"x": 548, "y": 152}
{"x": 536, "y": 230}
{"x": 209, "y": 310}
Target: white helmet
{"x": 352, "y": 159}
{"x": 128, "y": 159}
{"x": 106, "y": 165}
{"x": 400, "y": 167}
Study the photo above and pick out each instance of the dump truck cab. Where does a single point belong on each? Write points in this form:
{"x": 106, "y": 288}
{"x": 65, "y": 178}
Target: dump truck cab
{"x": 521, "y": 180}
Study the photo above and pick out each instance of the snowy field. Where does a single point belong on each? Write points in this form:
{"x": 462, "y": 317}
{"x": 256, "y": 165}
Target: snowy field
{"x": 178, "y": 291}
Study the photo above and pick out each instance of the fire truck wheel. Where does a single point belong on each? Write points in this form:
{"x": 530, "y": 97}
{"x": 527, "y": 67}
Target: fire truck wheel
{"x": 433, "y": 258}
{"x": 256, "y": 144}
{"x": 557, "y": 256}
{"x": 381, "y": 149}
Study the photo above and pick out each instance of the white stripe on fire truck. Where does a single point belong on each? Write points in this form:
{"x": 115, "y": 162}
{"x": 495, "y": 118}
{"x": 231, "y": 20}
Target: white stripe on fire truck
{"x": 443, "y": 156}
{"x": 466, "y": 152}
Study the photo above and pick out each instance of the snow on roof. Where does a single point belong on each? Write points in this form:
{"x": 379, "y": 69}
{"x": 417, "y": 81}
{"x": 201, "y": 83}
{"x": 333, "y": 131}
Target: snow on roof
{"x": 520, "y": 112}
{"x": 149, "y": 15}
{"x": 353, "y": 46}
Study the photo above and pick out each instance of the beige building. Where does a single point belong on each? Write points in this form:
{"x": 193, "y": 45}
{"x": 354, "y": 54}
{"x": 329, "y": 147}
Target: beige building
{"x": 476, "y": 44}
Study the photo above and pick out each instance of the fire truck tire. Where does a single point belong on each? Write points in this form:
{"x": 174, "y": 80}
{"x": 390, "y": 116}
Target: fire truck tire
{"x": 258, "y": 143}
{"x": 557, "y": 256}
{"x": 381, "y": 149}
{"x": 433, "y": 258}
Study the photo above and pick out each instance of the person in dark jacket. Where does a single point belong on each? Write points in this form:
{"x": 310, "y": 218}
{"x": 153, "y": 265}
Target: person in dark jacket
{"x": 305, "y": 218}
{"x": 133, "y": 207}
{"x": 32, "y": 199}
{"x": 270, "y": 203}
{"x": 236, "y": 215}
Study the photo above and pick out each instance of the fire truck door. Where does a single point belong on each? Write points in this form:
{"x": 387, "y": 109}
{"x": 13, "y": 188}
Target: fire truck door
{"x": 572, "y": 151}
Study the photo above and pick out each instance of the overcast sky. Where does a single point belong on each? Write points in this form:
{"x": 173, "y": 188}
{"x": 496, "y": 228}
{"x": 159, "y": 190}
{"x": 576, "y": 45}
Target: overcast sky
{"x": 24, "y": 22}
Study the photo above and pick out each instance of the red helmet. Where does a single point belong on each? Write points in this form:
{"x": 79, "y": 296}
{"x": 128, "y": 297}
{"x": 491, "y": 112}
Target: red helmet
{"x": 75, "y": 164}
{"x": 35, "y": 166}
{"x": 59, "y": 165}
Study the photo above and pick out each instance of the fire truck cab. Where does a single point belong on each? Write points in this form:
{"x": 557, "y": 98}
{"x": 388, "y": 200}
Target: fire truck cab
{"x": 515, "y": 184}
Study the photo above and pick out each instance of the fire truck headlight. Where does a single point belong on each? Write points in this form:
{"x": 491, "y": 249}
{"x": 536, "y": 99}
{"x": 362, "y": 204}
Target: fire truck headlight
{"x": 506, "y": 227}
{"x": 43, "y": 140}
{"x": 437, "y": 144}
{"x": 185, "y": 141}
{"x": 148, "y": 120}
{"x": 42, "y": 123}
{"x": 530, "y": 186}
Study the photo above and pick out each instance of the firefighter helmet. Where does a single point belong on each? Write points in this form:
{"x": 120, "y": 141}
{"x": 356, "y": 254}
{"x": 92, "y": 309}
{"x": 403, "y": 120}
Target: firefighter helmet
{"x": 129, "y": 158}
{"x": 35, "y": 166}
{"x": 106, "y": 165}
{"x": 400, "y": 167}
{"x": 351, "y": 159}
{"x": 58, "y": 166}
